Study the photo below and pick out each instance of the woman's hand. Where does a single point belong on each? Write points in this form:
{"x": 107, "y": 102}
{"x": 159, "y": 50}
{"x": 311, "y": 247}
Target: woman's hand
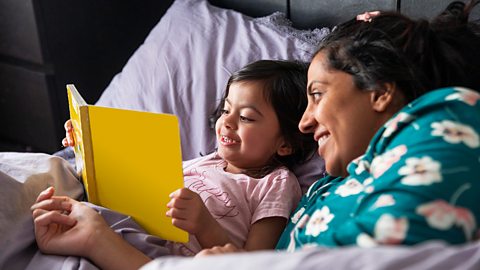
{"x": 69, "y": 139}
{"x": 65, "y": 226}
{"x": 228, "y": 248}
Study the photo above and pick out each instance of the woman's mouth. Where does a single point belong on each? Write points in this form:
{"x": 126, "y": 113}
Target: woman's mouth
{"x": 322, "y": 140}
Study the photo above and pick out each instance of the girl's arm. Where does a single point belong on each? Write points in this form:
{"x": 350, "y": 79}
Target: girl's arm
{"x": 189, "y": 213}
{"x": 265, "y": 233}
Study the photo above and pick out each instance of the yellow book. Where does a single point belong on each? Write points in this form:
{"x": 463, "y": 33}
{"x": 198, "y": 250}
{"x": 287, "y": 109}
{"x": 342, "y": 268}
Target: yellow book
{"x": 130, "y": 161}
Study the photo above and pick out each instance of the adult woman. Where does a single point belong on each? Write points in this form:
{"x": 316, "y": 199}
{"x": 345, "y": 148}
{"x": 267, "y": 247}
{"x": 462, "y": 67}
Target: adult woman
{"x": 401, "y": 156}
{"x": 403, "y": 173}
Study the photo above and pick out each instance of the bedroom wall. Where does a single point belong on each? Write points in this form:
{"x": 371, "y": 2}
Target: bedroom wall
{"x": 45, "y": 44}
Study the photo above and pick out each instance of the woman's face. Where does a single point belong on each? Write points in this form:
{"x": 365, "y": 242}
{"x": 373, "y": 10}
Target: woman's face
{"x": 341, "y": 117}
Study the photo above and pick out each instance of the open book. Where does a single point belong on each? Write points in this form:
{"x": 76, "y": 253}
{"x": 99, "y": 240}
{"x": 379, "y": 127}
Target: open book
{"x": 130, "y": 161}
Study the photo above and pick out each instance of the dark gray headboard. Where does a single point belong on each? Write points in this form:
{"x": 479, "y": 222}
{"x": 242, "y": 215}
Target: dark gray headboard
{"x": 318, "y": 13}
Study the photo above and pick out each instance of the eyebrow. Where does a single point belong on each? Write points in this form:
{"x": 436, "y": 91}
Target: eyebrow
{"x": 245, "y": 106}
{"x": 309, "y": 87}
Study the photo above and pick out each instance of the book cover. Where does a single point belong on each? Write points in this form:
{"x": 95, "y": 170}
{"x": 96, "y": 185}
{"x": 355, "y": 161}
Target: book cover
{"x": 129, "y": 161}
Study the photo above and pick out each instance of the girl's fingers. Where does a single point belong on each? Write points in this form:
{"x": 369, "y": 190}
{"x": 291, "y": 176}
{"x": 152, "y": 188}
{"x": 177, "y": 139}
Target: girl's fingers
{"x": 178, "y": 203}
{"x": 177, "y": 213}
{"x": 70, "y": 139}
{"x": 182, "y": 193}
{"x": 68, "y": 125}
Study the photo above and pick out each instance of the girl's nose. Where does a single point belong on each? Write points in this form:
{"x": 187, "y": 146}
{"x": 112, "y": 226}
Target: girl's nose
{"x": 229, "y": 122}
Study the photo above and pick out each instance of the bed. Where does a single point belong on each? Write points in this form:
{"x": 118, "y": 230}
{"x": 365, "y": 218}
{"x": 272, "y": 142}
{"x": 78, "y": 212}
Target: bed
{"x": 182, "y": 68}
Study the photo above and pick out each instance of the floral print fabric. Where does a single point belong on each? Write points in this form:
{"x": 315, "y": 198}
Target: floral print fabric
{"x": 418, "y": 180}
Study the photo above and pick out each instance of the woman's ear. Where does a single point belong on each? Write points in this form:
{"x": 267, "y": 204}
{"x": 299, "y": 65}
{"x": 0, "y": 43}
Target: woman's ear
{"x": 381, "y": 99}
{"x": 284, "y": 150}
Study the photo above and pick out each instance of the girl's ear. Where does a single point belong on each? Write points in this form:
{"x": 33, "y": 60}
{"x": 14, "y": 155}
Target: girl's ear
{"x": 284, "y": 150}
{"x": 383, "y": 98}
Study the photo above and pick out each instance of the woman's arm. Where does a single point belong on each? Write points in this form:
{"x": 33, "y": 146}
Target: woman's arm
{"x": 64, "y": 226}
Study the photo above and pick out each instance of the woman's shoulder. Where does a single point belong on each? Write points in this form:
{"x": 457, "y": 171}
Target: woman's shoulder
{"x": 453, "y": 106}
{"x": 443, "y": 97}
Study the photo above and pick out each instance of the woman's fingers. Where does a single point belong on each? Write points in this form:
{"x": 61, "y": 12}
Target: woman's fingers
{"x": 228, "y": 248}
{"x": 54, "y": 203}
{"x": 44, "y": 218}
{"x": 46, "y": 194}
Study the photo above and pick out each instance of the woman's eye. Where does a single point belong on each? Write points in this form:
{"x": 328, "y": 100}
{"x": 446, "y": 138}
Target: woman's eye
{"x": 316, "y": 95}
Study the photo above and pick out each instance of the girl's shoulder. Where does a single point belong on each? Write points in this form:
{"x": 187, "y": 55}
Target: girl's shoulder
{"x": 209, "y": 159}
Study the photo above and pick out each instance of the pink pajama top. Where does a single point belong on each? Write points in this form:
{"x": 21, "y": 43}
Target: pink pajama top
{"x": 237, "y": 201}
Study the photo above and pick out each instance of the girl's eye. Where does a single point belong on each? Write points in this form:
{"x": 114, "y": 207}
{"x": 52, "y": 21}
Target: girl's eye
{"x": 223, "y": 111}
{"x": 245, "y": 119}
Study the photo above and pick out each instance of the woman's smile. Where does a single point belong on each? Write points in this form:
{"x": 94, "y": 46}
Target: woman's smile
{"x": 322, "y": 140}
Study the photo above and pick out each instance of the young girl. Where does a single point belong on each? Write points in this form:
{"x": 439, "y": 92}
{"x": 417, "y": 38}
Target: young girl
{"x": 241, "y": 194}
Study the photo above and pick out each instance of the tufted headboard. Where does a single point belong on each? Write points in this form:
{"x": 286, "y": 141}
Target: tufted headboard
{"x": 307, "y": 14}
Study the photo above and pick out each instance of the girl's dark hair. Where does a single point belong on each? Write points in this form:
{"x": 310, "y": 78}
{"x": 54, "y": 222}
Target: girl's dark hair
{"x": 416, "y": 55}
{"x": 284, "y": 87}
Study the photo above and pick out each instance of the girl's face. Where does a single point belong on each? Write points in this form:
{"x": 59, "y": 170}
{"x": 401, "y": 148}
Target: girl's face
{"x": 248, "y": 132}
{"x": 342, "y": 118}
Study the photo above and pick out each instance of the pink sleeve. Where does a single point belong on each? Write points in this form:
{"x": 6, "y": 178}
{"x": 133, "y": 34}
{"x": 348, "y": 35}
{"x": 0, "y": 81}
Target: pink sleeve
{"x": 276, "y": 196}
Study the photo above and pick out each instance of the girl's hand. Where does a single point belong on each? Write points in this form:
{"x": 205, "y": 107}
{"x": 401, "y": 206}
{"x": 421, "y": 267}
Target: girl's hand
{"x": 69, "y": 137}
{"x": 188, "y": 212}
{"x": 228, "y": 248}
{"x": 65, "y": 226}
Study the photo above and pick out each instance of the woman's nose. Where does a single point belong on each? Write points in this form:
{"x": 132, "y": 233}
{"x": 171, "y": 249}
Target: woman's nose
{"x": 307, "y": 123}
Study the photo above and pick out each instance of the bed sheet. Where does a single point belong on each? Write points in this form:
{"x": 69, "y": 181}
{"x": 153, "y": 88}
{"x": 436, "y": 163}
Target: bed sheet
{"x": 22, "y": 177}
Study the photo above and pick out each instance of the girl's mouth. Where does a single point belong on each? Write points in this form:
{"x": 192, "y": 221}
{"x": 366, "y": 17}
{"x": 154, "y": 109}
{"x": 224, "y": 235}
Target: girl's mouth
{"x": 224, "y": 140}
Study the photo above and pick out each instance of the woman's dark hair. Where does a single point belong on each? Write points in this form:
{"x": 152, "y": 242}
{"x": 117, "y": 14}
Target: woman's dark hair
{"x": 416, "y": 55}
{"x": 284, "y": 87}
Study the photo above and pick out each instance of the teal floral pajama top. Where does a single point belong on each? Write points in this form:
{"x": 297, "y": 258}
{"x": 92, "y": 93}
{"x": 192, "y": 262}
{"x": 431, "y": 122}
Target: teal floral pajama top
{"x": 418, "y": 180}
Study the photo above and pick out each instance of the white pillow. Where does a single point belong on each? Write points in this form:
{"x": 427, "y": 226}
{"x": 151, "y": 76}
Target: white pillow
{"x": 184, "y": 64}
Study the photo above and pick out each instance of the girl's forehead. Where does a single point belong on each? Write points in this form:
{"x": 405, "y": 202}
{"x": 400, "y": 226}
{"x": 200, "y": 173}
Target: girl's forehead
{"x": 247, "y": 89}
